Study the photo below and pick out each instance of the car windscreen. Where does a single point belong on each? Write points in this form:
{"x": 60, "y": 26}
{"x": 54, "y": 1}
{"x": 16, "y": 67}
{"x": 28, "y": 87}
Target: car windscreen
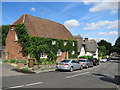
{"x": 81, "y": 60}
{"x": 65, "y": 61}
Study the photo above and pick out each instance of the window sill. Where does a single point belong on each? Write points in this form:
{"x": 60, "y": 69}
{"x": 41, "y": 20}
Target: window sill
{"x": 16, "y": 40}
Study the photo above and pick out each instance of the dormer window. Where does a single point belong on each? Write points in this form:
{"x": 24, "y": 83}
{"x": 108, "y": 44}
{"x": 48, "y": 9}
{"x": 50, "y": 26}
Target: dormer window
{"x": 73, "y": 43}
{"x": 53, "y": 42}
{"x": 16, "y": 37}
{"x": 65, "y": 43}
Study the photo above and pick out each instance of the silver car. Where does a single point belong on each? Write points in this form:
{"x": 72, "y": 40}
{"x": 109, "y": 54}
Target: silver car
{"x": 68, "y": 65}
{"x": 86, "y": 63}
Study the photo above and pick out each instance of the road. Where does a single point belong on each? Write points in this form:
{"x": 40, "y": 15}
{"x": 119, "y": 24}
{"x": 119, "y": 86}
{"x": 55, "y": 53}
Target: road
{"x": 101, "y": 76}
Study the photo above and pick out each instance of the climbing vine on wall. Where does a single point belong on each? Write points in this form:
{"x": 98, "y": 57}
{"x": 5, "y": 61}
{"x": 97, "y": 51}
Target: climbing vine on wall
{"x": 36, "y": 45}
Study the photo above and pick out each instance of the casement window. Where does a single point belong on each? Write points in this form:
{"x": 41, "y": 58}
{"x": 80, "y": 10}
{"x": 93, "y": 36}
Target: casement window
{"x": 73, "y": 43}
{"x": 16, "y": 37}
{"x": 59, "y": 53}
{"x": 43, "y": 55}
{"x": 73, "y": 52}
{"x": 65, "y": 43}
{"x": 53, "y": 42}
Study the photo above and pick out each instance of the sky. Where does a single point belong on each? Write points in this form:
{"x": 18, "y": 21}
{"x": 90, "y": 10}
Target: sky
{"x": 93, "y": 20}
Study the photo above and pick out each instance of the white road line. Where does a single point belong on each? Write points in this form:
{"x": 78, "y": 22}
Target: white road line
{"x": 25, "y": 85}
{"x": 17, "y": 86}
{"x": 77, "y": 75}
{"x": 33, "y": 84}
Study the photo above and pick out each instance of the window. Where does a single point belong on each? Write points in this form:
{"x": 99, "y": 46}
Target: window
{"x": 73, "y": 44}
{"x": 65, "y": 42}
{"x": 16, "y": 37}
{"x": 73, "y": 52}
{"x": 43, "y": 55}
{"x": 53, "y": 42}
{"x": 59, "y": 53}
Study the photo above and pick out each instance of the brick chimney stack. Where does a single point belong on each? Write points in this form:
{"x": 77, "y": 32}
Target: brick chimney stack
{"x": 86, "y": 39}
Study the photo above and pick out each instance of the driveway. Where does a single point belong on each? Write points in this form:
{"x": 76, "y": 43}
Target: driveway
{"x": 7, "y": 71}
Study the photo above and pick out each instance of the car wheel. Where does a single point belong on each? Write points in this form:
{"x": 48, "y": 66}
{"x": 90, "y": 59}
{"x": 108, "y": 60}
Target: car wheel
{"x": 71, "y": 69}
{"x": 81, "y": 67}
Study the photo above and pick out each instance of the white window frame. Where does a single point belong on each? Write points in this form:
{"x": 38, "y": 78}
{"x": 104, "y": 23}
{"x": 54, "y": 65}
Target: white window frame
{"x": 53, "y": 42}
{"x": 59, "y": 53}
{"x": 73, "y": 43}
{"x": 73, "y": 52}
{"x": 16, "y": 37}
{"x": 43, "y": 55}
{"x": 65, "y": 43}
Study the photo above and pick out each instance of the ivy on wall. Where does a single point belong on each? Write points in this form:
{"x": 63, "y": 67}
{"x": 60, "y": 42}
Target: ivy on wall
{"x": 36, "y": 45}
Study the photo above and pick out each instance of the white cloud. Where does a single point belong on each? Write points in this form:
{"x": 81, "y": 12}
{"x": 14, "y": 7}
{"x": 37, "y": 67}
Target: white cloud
{"x": 102, "y": 5}
{"x": 98, "y": 38}
{"x": 112, "y": 33}
{"x": 71, "y": 23}
{"x": 32, "y": 9}
{"x": 99, "y": 24}
{"x": 113, "y": 12}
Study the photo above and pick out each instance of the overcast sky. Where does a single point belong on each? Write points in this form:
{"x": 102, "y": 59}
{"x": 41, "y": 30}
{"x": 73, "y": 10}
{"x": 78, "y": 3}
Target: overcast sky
{"x": 95, "y": 20}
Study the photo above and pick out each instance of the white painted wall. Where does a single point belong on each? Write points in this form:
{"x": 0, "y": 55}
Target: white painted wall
{"x": 82, "y": 53}
{"x": 96, "y": 56}
{"x": 88, "y": 53}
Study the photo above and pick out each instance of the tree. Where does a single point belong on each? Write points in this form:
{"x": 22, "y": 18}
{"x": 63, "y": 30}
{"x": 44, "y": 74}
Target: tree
{"x": 5, "y": 29}
{"x": 102, "y": 51}
{"x": 106, "y": 44}
{"x": 117, "y": 45}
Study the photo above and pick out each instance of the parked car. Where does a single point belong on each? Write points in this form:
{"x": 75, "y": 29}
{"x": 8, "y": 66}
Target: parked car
{"x": 86, "y": 63}
{"x": 95, "y": 61}
{"x": 103, "y": 60}
{"x": 69, "y": 65}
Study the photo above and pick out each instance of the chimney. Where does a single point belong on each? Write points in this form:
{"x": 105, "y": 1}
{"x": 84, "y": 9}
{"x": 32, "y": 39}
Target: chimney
{"x": 86, "y": 39}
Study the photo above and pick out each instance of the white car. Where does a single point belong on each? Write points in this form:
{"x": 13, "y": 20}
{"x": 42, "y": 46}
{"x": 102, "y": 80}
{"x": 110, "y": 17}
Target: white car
{"x": 103, "y": 60}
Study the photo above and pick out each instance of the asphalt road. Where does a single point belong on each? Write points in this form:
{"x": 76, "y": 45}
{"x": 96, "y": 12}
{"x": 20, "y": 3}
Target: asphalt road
{"x": 101, "y": 76}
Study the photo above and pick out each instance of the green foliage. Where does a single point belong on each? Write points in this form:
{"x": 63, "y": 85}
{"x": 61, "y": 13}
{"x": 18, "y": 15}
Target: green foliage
{"x": 5, "y": 29}
{"x": 12, "y": 61}
{"x": 36, "y": 45}
{"x": 117, "y": 45}
{"x": 86, "y": 57}
{"x": 6, "y": 61}
{"x": 24, "y": 69}
{"x": 105, "y": 44}
{"x": 23, "y": 61}
{"x": 102, "y": 51}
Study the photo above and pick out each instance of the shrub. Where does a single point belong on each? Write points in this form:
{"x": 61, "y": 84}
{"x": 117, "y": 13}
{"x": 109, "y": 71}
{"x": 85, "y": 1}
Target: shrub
{"x": 12, "y": 61}
{"x": 86, "y": 57}
{"x": 24, "y": 69}
{"x": 6, "y": 61}
{"x": 23, "y": 61}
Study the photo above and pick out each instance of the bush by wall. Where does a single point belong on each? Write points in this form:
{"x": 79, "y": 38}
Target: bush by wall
{"x": 36, "y": 45}
{"x": 86, "y": 57}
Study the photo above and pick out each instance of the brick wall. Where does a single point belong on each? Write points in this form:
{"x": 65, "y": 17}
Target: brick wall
{"x": 13, "y": 47}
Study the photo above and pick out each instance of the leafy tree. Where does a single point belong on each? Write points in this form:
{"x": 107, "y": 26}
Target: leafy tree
{"x": 117, "y": 45}
{"x": 102, "y": 51}
{"x": 5, "y": 29}
{"x": 105, "y": 44}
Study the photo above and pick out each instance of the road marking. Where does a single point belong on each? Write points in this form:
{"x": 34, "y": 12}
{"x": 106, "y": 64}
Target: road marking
{"x": 77, "y": 75}
{"x": 33, "y": 84}
{"x": 17, "y": 86}
{"x": 25, "y": 85}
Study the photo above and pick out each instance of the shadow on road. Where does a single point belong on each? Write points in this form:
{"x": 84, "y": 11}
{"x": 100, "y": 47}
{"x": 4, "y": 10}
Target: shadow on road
{"x": 115, "y": 80}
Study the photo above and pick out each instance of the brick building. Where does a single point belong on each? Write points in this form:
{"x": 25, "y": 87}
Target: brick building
{"x": 38, "y": 27}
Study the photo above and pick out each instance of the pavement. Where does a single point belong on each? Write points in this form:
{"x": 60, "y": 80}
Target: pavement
{"x": 101, "y": 76}
{"x": 7, "y": 71}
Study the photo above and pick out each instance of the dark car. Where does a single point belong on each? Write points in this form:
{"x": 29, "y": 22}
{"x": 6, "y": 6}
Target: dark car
{"x": 95, "y": 61}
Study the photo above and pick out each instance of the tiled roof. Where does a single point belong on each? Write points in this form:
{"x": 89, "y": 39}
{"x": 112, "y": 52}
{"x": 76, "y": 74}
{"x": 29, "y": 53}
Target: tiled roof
{"x": 44, "y": 28}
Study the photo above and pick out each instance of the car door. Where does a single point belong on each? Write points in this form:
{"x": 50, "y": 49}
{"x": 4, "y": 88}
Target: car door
{"x": 88, "y": 61}
{"x": 73, "y": 64}
{"x": 77, "y": 64}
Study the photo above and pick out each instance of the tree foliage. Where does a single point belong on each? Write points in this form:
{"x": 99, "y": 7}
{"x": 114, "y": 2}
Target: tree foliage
{"x": 117, "y": 45}
{"x": 105, "y": 44}
{"x": 5, "y": 29}
{"x": 36, "y": 45}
